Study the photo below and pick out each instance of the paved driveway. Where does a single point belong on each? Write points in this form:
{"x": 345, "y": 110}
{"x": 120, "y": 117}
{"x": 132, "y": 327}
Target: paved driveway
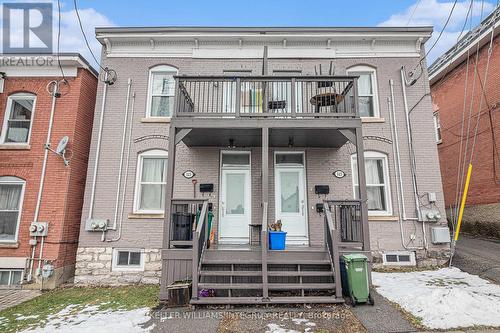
{"x": 478, "y": 256}
{"x": 11, "y": 297}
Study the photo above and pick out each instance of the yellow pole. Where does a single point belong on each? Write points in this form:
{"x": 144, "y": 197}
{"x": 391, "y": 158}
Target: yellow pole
{"x": 462, "y": 204}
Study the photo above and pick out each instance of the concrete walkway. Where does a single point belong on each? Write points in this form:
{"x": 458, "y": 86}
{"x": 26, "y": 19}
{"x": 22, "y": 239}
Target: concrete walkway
{"x": 12, "y": 297}
{"x": 478, "y": 256}
{"x": 382, "y": 317}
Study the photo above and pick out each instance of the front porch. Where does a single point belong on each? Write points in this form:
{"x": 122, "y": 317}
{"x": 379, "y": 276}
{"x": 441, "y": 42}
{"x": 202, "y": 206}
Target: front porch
{"x": 235, "y": 266}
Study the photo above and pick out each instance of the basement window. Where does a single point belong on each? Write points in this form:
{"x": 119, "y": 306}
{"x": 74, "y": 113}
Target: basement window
{"x": 399, "y": 259}
{"x": 10, "y": 277}
{"x": 128, "y": 260}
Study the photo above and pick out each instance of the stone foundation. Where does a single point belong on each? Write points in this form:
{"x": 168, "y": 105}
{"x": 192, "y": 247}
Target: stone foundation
{"x": 94, "y": 267}
{"x": 424, "y": 259}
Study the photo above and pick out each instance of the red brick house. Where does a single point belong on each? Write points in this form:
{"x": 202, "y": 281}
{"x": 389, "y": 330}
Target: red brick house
{"x": 41, "y": 190}
{"x": 480, "y": 96}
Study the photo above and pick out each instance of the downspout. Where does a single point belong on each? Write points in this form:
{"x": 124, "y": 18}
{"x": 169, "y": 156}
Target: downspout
{"x": 124, "y": 133}
{"x": 98, "y": 148}
{"x": 126, "y": 174}
{"x": 397, "y": 170}
{"x": 55, "y": 95}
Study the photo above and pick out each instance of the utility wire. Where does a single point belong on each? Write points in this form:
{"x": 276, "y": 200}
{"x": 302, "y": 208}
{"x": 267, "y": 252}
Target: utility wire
{"x": 59, "y": 39}
{"x": 413, "y": 12}
{"x": 85, "y": 37}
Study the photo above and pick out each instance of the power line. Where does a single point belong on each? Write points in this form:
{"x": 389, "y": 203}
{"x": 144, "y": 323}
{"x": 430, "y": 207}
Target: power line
{"x": 413, "y": 12}
{"x": 59, "y": 38}
{"x": 85, "y": 37}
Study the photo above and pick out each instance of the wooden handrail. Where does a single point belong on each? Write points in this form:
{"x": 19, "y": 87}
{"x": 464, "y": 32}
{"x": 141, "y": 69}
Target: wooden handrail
{"x": 332, "y": 239}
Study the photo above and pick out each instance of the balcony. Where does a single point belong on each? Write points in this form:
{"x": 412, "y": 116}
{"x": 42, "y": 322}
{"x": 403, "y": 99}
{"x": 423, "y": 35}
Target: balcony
{"x": 280, "y": 97}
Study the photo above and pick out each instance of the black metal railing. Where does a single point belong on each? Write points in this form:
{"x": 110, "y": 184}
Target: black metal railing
{"x": 347, "y": 219}
{"x": 200, "y": 241}
{"x": 266, "y": 96}
{"x": 332, "y": 240}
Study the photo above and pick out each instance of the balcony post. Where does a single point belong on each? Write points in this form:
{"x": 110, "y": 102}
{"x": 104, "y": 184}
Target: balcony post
{"x": 176, "y": 97}
{"x": 293, "y": 102}
{"x": 238, "y": 97}
{"x": 265, "y": 200}
{"x": 360, "y": 156}
{"x": 356, "y": 97}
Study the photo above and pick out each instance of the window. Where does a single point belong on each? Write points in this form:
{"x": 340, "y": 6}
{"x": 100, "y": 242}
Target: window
{"x": 150, "y": 191}
{"x": 437, "y": 127}
{"x": 10, "y": 277}
{"x": 377, "y": 182}
{"x": 11, "y": 197}
{"x": 128, "y": 259}
{"x": 399, "y": 258}
{"x": 18, "y": 118}
{"x": 367, "y": 90}
{"x": 161, "y": 91}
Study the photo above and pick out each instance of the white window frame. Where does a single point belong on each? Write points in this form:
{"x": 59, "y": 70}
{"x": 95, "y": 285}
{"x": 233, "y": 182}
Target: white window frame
{"x": 10, "y": 270}
{"x": 387, "y": 185}
{"x": 437, "y": 127}
{"x": 364, "y": 69}
{"x": 152, "y": 153}
{"x": 7, "y": 114}
{"x": 127, "y": 268}
{"x": 11, "y": 180}
{"x": 160, "y": 69}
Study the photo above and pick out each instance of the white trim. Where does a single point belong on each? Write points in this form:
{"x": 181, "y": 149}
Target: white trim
{"x": 155, "y": 153}
{"x": 120, "y": 268}
{"x": 387, "y": 185}
{"x": 363, "y": 69}
{"x": 8, "y": 110}
{"x": 162, "y": 69}
{"x": 13, "y": 262}
{"x": 304, "y": 240}
{"x": 11, "y": 180}
{"x": 412, "y": 261}
{"x": 242, "y": 167}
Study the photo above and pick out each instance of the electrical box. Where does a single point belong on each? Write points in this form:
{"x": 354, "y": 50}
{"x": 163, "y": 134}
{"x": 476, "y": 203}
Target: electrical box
{"x": 320, "y": 208}
{"x": 39, "y": 229}
{"x": 430, "y": 214}
{"x": 96, "y": 224}
{"x": 440, "y": 235}
{"x": 431, "y": 196}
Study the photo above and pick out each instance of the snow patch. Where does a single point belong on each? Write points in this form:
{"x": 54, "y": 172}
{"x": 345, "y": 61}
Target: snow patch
{"x": 90, "y": 320}
{"x": 27, "y": 317}
{"x": 444, "y": 299}
{"x": 276, "y": 328}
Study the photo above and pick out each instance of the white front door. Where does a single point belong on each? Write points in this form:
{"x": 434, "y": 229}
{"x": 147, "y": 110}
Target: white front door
{"x": 290, "y": 199}
{"x": 235, "y": 205}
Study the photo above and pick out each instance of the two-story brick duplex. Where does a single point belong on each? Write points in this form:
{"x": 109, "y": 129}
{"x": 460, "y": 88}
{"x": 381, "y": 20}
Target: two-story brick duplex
{"x": 35, "y": 183}
{"x": 242, "y": 127}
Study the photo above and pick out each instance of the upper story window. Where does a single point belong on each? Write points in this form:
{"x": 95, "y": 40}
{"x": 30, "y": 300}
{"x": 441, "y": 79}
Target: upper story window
{"x": 161, "y": 91}
{"x": 367, "y": 90}
{"x": 11, "y": 198}
{"x": 437, "y": 127}
{"x": 18, "y": 118}
{"x": 150, "y": 187}
{"x": 377, "y": 182}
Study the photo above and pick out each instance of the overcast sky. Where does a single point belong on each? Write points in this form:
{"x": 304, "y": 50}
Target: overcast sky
{"x": 264, "y": 13}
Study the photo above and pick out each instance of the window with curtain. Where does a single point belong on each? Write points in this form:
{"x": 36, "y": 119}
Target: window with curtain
{"x": 18, "y": 118}
{"x": 367, "y": 90}
{"x": 161, "y": 91}
{"x": 377, "y": 182}
{"x": 11, "y": 194}
{"x": 150, "y": 193}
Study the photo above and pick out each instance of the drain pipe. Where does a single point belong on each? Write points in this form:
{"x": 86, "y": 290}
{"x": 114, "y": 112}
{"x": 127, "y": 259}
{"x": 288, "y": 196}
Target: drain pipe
{"x": 98, "y": 148}
{"x": 124, "y": 133}
{"x": 397, "y": 170}
{"x": 117, "y": 238}
{"x": 55, "y": 94}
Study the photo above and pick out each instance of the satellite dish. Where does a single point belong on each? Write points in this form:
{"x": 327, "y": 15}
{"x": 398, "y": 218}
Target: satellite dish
{"x": 61, "y": 146}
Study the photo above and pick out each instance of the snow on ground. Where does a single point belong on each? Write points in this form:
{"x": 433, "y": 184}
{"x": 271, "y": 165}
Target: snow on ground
{"x": 90, "y": 320}
{"x": 445, "y": 298}
{"x": 280, "y": 328}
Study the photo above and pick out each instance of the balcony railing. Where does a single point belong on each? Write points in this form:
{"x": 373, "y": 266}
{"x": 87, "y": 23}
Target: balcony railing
{"x": 347, "y": 219}
{"x": 266, "y": 96}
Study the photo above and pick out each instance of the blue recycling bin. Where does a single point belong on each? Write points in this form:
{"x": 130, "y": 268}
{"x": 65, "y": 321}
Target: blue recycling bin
{"x": 277, "y": 240}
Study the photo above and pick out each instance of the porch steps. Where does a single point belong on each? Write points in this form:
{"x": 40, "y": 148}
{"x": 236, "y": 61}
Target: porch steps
{"x": 293, "y": 276}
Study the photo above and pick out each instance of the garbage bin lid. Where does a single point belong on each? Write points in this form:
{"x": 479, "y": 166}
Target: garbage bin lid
{"x": 354, "y": 257}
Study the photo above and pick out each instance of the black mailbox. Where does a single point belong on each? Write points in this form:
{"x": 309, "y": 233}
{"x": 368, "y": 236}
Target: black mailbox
{"x": 321, "y": 189}
{"x": 205, "y": 188}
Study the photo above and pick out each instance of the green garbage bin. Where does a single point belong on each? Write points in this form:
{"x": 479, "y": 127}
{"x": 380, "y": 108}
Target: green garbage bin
{"x": 355, "y": 283}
